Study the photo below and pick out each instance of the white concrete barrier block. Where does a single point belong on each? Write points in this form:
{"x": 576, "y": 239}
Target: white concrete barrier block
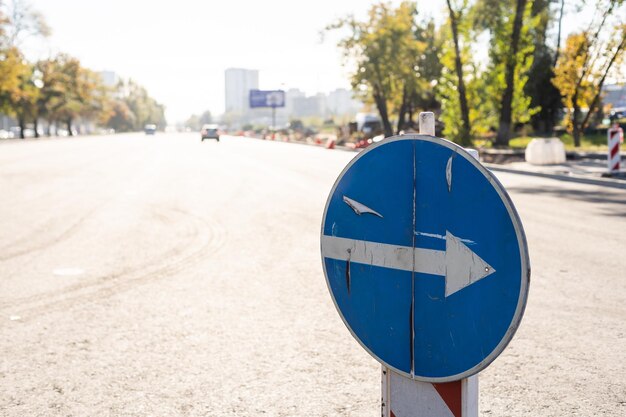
{"x": 545, "y": 151}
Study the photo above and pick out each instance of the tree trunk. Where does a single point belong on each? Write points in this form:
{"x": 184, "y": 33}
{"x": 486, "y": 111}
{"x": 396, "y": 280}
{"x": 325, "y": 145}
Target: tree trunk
{"x": 410, "y": 113}
{"x": 402, "y": 112}
{"x": 381, "y": 104}
{"x": 464, "y": 138}
{"x": 600, "y": 84}
{"x": 506, "y": 110}
{"x": 36, "y": 125}
{"x": 69, "y": 127}
{"x": 558, "y": 36}
{"x": 22, "y": 123}
{"x": 576, "y": 135}
{"x": 576, "y": 128}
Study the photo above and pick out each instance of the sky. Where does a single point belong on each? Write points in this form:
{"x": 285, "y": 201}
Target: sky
{"x": 179, "y": 49}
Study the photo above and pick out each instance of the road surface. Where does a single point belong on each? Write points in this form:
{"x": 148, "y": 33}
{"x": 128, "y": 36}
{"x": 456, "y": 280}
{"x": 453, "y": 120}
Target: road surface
{"x": 158, "y": 275}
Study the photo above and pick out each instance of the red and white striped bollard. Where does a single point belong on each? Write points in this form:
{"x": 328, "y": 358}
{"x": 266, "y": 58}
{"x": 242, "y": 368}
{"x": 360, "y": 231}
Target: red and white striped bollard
{"x": 615, "y": 136}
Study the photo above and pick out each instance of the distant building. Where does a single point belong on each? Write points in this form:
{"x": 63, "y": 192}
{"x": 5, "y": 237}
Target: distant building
{"x": 291, "y": 96}
{"x": 341, "y": 102}
{"x": 237, "y": 111}
{"x": 309, "y": 106}
{"x": 239, "y": 82}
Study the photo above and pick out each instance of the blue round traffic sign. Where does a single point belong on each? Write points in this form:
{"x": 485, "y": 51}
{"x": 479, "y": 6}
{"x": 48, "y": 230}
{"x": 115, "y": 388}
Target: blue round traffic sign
{"x": 425, "y": 258}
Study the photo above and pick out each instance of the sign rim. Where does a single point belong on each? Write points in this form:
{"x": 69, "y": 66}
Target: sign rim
{"x": 521, "y": 241}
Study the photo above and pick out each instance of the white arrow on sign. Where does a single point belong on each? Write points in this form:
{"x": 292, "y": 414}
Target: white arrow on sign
{"x": 457, "y": 263}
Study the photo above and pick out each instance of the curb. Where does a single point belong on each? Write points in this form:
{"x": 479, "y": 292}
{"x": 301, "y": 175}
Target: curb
{"x": 596, "y": 156}
{"x": 569, "y": 178}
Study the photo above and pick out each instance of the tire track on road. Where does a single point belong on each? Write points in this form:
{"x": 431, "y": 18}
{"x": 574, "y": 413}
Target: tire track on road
{"x": 204, "y": 240}
{"x": 30, "y": 238}
{"x": 5, "y": 255}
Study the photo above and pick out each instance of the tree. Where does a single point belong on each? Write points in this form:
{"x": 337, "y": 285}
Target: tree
{"x": 206, "y": 117}
{"x": 11, "y": 68}
{"x": 93, "y": 96}
{"x": 506, "y": 107}
{"x": 121, "y": 118}
{"x": 25, "y": 98}
{"x": 383, "y": 50}
{"x": 453, "y": 62}
{"x": 67, "y": 105}
{"x": 133, "y": 108}
{"x": 52, "y": 88}
{"x": 145, "y": 108}
{"x": 23, "y": 22}
{"x": 510, "y": 53}
{"x": 558, "y": 34}
{"x": 195, "y": 122}
{"x": 586, "y": 61}
{"x": 60, "y": 89}
{"x": 18, "y": 91}
{"x": 18, "y": 79}
{"x": 544, "y": 96}
{"x": 69, "y": 91}
{"x": 428, "y": 67}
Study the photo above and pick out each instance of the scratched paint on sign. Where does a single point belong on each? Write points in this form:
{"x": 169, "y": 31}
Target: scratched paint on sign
{"x": 360, "y": 208}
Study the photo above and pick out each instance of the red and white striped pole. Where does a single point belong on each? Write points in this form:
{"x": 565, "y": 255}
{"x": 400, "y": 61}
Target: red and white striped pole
{"x": 406, "y": 397}
{"x": 615, "y": 136}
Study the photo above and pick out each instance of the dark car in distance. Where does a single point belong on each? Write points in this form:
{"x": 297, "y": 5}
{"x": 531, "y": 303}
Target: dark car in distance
{"x": 150, "y": 129}
{"x": 210, "y": 132}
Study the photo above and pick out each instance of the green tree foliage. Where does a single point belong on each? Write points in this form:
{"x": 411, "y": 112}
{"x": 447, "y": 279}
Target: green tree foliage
{"x": 11, "y": 70}
{"x": 25, "y": 99}
{"x": 22, "y": 22}
{"x": 121, "y": 118}
{"x": 585, "y": 62}
{"x": 59, "y": 89}
{"x": 68, "y": 91}
{"x": 195, "y": 122}
{"x": 133, "y": 108}
{"x": 385, "y": 51}
{"x": 428, "y": 69}
{"x": 543, "y": 94}
{"x": 478, "y": 98}
{"x": 51, "y": 89}
{"x": 457, "y": 89}
{"x": 509, "y": 24}
{"x": 18, "y": 91}
{"x": 73, "y": 91}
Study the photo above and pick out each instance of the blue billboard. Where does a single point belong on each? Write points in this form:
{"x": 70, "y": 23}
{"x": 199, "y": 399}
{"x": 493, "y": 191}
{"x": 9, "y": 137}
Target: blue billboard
{"x": 267, "y": 98}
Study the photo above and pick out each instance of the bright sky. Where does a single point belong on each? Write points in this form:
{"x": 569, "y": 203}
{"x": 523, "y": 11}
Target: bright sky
{"x": 179, "y": 49}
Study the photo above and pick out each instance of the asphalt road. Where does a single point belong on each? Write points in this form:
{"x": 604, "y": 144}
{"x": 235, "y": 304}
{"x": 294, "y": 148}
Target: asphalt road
{"x": 144, "y": 276}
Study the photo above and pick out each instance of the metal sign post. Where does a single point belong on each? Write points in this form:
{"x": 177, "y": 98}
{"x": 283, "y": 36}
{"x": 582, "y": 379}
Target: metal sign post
{"x": 406, "y": 397}
{"x": 426, "y": 261}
